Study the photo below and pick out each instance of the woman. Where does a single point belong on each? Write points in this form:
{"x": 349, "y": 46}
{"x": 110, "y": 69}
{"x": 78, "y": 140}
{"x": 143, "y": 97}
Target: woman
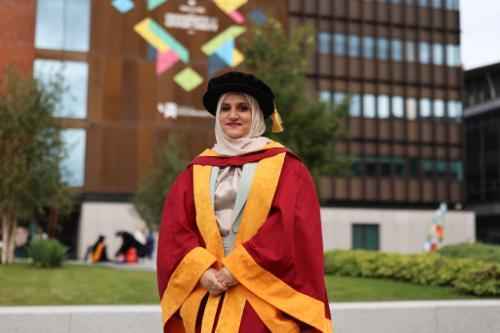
{"x": 240, "y": 247}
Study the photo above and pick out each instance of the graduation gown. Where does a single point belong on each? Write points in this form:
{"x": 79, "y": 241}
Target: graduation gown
{"x": 277, "y": 257}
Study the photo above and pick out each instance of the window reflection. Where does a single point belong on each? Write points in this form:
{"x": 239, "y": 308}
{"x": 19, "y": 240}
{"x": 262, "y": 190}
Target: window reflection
{"x": 410, "y": 51}
{"x": 425, "y": 108}
{"x": 354, "y": 46}
{"x": 73, "y": 164}
{"x": 75, "y": 79}
{"x": 369, "y": 106}
{"x": 340, "y": 43}
{"x": 424, "y": 52}
{"x": 369, "y": 47}
{"x": 397, "y": 50}
{"x": 383, "y": 106}
{"x": 383, "y": 48}
{"x": 355, "y": 105}
{"x": 63, "y": 25}
{"x": 438, "y": 54}
{"x": 411, "y": 109}
{"x": 398, "y": 106}
{"x": 324, "y": 41}
{"x": 439, "y": 108}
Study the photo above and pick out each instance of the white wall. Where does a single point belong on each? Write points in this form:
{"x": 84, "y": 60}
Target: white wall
{"x": 105, "y": 218}
{"x": 401, "y": 231}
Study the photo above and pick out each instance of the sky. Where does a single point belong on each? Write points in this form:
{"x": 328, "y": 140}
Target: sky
{"x": 480, "y": 25}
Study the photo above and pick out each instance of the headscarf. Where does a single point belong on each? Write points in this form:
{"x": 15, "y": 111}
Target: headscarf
{"x": 252, "y": 141}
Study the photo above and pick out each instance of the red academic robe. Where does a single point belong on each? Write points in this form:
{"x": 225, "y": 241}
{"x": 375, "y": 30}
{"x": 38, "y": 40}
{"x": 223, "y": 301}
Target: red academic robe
{"x": 278, "y": 255}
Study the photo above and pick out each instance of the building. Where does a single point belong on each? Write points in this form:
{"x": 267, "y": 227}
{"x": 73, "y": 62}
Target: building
{"x": 136, "y": 71}
{"x": 482, "y": 137}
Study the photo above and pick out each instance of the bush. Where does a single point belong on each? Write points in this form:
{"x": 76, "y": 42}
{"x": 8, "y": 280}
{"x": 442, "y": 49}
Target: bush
{"x": 490, "y": 253}
{"x": 47, "y": 252}
{"x": 465, "y": 275}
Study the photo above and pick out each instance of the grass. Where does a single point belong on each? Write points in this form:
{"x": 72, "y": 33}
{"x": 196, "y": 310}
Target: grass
{"x": 351, "y": 289}
{"x": 23, "y": 284}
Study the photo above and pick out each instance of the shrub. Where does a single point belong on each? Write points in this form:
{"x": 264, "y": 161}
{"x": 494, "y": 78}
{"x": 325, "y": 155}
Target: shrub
{"x": 465, "y": 275}
{"x": 485, "y": 252}
{"x": 47, "y": 252}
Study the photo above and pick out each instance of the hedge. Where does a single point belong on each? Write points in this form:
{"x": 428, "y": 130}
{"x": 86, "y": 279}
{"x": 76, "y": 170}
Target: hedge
{"x": 47, "y": 252}
{"x": 467, "y": 276}
{"x": 485, "y": 252}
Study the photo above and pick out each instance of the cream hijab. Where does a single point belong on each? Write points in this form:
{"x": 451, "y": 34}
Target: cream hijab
{"x": 253, "y": 140}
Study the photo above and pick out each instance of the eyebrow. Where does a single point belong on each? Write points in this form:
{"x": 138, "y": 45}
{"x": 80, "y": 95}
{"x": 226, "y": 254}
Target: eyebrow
{"x": 240, "y": 103}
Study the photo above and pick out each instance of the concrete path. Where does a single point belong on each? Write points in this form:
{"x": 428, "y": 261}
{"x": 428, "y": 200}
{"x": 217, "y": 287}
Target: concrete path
{"x": 373, "y": 317}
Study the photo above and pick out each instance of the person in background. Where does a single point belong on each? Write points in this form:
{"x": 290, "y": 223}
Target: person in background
{"x": 98, "y": 251}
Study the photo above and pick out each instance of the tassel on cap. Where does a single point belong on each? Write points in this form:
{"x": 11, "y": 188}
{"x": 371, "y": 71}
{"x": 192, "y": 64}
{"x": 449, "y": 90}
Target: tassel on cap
{"x": 277, "y": 122}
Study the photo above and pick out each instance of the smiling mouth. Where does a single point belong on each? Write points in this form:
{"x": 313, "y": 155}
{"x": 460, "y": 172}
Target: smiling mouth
{"x": 233, "y": 125}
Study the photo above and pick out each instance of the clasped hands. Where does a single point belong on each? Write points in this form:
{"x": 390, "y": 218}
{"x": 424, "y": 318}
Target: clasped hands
{"x": 217, "y": 282}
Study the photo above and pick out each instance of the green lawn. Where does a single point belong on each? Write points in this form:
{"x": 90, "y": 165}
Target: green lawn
{"x": 349, "y": 289}
{"x": 22, "y": 284}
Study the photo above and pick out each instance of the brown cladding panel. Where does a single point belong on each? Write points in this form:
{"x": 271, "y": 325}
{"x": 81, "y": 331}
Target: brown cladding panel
{"x": 356, "y": 189}
{"x": 341, "y": 186}
{"x": 385, "y": 189}
{"x": 371, "y": 191}
{"x": 399, "y": 190}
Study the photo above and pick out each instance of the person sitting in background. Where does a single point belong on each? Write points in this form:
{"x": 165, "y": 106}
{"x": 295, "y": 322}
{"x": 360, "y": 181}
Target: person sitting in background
{"x": 129, "y": 243}
{"x": 98, "y": 251}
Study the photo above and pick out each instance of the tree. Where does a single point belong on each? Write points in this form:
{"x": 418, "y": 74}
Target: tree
{"x": 312, "y": 128}
{"x": 31, "y": 151}
{"x": 152, "y": 189}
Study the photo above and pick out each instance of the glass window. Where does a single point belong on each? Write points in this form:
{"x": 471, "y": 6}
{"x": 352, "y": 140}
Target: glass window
{"x": 369, "y": 106}
{"x": 383, "y": 48}
{"x": 398, "y": 107}
{"x": 437, "y": 54}
{"x": 354, "y": 46}
{"x": 355, "y": 105}
{"x": 411, "y": 108}
{"x": 325, "y": 96}
{"x": 357, "y": 167}
{"x": 424, "y": 52}
{"x": 324, "y": 41}
{"x": 441, "y": 168}
{"x": 439, "y": 109}
{"x": 369, "y": 47}
{"x": 427, "y": 167}
{"x": 456, "y": 168}
{"x": 423, "y": 3}
{"x": 385, "y": 166}
{"x": 399, "y": 166}
{"x": 452, "y": 4}
{"x": 73, "y": 164}
{"x": 453, "y": 55}
{"x": 338, "y": 98}
{"x": 75, "y": 79}
{"x": 425, "y": 108}
{"x": 396, "y": 1}
{"x": 370, "y": 166}
{"x": 410, "y": 51}
{"x": 365, "y": 236}
{"x": 455, "y": 110}
{"x": 339, "y": 41}
{"x": 436, "y": 4}
{"x": 383, "y": 108}
{"x": 397, "y": 50}
{"x": 63, "y": 25}
{"x": 414, "y": 167}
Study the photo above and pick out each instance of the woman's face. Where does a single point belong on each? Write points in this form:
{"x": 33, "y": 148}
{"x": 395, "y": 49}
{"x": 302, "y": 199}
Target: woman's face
{"x": 235, "y": 116}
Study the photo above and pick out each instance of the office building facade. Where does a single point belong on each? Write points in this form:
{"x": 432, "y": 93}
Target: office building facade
{"x": 136, "y": 71}
{"x": 482, "y": 137}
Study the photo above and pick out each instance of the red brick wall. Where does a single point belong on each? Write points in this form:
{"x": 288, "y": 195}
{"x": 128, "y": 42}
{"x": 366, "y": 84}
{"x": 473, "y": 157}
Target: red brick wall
{"x": 17, "y": 33}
